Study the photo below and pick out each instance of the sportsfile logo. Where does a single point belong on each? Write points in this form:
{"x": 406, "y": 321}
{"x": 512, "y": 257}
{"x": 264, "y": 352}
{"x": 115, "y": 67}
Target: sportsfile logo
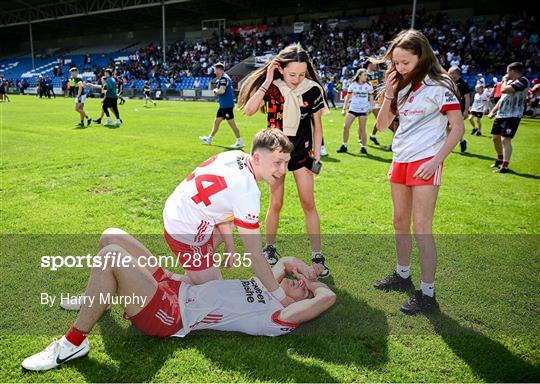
{"x": 113, "y": 259}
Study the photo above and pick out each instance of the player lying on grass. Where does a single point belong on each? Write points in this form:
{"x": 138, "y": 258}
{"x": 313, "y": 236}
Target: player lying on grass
{"x": 174, "y": 307}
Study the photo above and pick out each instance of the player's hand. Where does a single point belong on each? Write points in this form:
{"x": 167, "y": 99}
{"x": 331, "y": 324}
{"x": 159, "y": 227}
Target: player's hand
{"x": 302, "y": 271}
{"x": 490, "y": 115}
{"x": 465, "y": 114}
{"x": 270, "y": 71}
{"x": 390, "y": 85}
{"x": 317, "y": 156}
{"x": 317, "y": 269}
{"x": 230, "y": 259}
{"x": 426, "y": 170}
{"x": 287, "y": 301}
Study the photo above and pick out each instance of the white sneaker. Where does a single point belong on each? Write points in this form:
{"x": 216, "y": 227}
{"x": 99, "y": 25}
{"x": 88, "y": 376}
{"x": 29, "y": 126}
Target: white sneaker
{"x": 206, "y": 139}
{"x": 239, "y": 144}
{"x": 108, "y": 122}
{"x": 58, "y": 352}
{"x": 324, "y": 151}
{"x": 118, "y": 122}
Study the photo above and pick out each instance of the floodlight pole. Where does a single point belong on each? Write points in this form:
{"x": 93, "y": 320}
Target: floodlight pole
{"x": 31, "y": 44}
{"x": 163, "y": 26}
{"x": 413, "y": 13}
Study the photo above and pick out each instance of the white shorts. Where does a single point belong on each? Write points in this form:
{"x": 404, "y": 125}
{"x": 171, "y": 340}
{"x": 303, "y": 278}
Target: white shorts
{"x": 80, "y": 100}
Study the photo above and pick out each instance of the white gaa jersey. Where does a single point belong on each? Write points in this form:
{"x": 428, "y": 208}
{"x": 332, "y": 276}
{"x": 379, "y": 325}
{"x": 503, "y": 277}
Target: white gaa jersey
{"x": 480, "y": 102}
{"x": 231, "y": 305}
{"x": 422, "y": 121}
{"x": 513, "y": 104}
{"x": 223, "y": 188}
{"x": 360, "y": 97}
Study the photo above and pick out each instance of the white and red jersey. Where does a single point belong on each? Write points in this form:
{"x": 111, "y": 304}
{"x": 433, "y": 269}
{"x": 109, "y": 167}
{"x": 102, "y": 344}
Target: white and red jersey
{"x": 231, "y": 305}
{"x": 422, "y": 121}
{"x": 480, "y": 102}
{"x": 360, "y": 97}
{"x": 223, "y": 188}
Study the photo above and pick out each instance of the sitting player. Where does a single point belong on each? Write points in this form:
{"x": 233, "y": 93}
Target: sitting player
{"x": 174, "y": 307}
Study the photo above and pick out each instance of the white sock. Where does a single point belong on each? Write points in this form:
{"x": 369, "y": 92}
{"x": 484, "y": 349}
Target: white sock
{"x": 403, "y": 270}
{"x": 344, "y": 144}
{"x": 427, "y": 289}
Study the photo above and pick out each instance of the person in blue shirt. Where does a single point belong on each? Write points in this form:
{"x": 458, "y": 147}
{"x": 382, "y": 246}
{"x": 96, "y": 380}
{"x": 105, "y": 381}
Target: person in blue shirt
{"x": 331, "y": 91}
{"x": 225, "y": 93}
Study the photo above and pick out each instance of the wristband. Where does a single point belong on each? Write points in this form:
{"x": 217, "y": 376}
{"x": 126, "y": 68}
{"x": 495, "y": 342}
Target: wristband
{"x": 263, "y": 89}
{"x": 388, "y": 98}
{"x": 279, "y": 294}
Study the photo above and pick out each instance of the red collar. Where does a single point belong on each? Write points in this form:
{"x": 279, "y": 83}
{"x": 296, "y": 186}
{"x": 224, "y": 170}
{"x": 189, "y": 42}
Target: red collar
{"x": 247, "y": 161}
{"x": 415, "y": 87}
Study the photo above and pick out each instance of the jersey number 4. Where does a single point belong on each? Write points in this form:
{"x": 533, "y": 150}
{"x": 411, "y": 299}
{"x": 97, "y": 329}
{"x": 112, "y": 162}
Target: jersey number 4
{"x": 214, "y": 185}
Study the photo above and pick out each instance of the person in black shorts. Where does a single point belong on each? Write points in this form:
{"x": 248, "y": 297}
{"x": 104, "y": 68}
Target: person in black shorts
{"x": 147, "y": 96}
{"x": 3, "y": 91}
{"x": 288, "y": 89}
{"x": 508, "y": 113}
{"x": 464, "y": 98}
{"x": 120, "y": 90}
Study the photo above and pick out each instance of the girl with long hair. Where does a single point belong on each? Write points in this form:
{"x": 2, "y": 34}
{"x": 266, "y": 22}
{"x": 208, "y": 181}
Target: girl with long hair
{"x": 288, "y": 90}
{"x": 425, "y": 97}
{"x": 359, "y": 100}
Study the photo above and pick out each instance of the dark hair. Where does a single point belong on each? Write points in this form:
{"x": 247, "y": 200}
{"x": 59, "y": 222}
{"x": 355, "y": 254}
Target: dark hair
{"x": 428, "y": 64}
{"x": 109, "y": 71}
{"x": 294, "y": 53}
{"x": 272, "y": 139}
{"x": 516, "y": 67}
{"x": 73, "y": 69}
{"x": 219, "y": 65}
{"x": 358, "y": 74}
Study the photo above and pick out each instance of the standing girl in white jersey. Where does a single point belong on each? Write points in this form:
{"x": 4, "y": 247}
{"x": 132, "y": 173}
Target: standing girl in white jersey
{"x": 359, "y": 99}
{"x": 479, "y": 105}
{"x": 425, "y": 97}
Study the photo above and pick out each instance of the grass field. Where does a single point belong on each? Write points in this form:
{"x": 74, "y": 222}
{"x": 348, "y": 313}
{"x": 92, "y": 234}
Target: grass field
{"x": 61, "y": 186}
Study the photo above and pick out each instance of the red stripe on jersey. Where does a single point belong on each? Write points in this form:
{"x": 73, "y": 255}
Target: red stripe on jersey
{"x": 450, "y": 107}
{"x": 243, "y": 224}
{"x": 213, "y": 317}
{"x": 275, "y": 319}
{"x": 249, "y": 165}
{"x": 416, "y": 86}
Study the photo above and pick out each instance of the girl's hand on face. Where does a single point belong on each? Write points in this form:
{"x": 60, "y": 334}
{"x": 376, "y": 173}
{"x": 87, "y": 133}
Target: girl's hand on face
{"x": 391, "y": 83}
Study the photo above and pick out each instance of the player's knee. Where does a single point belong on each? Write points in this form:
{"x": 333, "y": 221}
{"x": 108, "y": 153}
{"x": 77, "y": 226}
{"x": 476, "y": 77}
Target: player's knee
{"x": 401, "y": 223}
{"x": 422, "y": 227}
{"x": 275, "y": 206}
{"x": 308, "y": 204}
{"x": 109, "y": 236}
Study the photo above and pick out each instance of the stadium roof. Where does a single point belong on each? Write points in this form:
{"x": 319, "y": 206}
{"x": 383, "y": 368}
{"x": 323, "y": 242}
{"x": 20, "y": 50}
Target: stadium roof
{"x": 52, "y": 19}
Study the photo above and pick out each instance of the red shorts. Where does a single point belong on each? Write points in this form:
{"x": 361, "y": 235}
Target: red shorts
{"x": 402, "y": 173}
{"x": 192, "y": 257}
{"x": 161, "y": 316}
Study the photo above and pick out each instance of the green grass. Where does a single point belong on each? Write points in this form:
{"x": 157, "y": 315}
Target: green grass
{"x": 61, "y": 186}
